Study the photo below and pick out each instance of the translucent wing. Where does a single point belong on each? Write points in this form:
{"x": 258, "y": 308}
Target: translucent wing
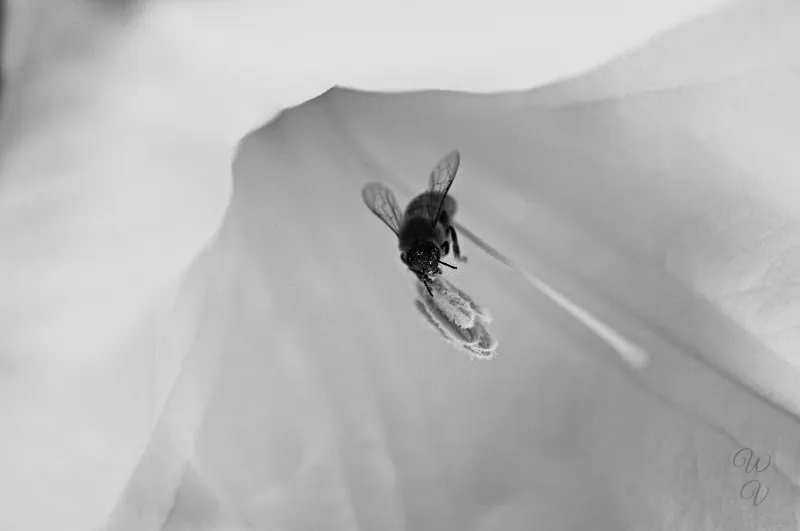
{"x": 381, "y": 201}
{"x": 441, "y": 180}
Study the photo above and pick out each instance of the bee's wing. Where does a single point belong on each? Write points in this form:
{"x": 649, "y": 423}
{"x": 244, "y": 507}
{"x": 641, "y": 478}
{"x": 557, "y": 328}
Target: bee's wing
{"x": 441, "y": 180}
{"x": 381, "y": 201}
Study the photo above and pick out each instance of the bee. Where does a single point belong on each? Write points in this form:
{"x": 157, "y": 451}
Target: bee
{"x": 425, "y": 231}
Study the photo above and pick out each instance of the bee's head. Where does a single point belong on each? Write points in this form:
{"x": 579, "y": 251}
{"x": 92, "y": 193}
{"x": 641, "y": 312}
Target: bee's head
{"x": 423, "y": 258}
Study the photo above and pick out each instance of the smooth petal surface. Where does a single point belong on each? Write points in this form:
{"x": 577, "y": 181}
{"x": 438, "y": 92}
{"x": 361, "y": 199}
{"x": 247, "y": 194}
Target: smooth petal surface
{"x": 289, "y": 381}
{"x": 661, "y": 204}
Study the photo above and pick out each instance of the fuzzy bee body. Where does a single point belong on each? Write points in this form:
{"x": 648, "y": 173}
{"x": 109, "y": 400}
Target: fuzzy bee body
{"x": 425, "y": 232}
{"x": 420, "y": 206}
{"x": 417, "y": 226}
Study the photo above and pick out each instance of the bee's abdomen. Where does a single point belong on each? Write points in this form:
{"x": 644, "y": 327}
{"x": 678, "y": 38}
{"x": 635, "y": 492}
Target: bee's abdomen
{"x": 422, "y": 205}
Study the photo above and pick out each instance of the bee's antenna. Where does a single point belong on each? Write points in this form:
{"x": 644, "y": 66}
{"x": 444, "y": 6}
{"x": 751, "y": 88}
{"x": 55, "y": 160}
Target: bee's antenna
{"x": 448, "y": 265}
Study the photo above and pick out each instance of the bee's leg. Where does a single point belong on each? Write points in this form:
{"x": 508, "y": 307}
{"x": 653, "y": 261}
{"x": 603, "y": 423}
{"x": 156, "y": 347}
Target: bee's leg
{"x": 456, "y": 249}
{"x": 445, "y": 248}
{"x": 425, "y": 283}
